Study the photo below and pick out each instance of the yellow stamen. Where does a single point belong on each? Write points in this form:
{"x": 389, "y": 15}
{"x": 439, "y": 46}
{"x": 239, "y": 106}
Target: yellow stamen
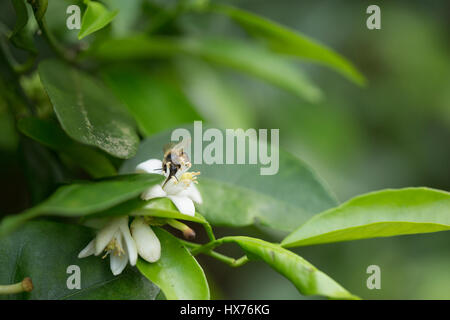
{"x": 114, "y": 247}
{"x": 188, "y": 177}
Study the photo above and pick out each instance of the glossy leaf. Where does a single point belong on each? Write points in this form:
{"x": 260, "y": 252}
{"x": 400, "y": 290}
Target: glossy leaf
{"x": 96, "y": 17}
{"x": 234, "y": 54}
{"x": 155, "y": 103}
{"x": 87, "y": 111}
{"x": 285, "y": 40}
{"x": 164, "y": 208}
{"x": 176, "y": 273}
{"x": 238, "y": 195}
{"x": 44, "y": 250}
{"x": 81, "y": 199}
{"x": 50, "y": 135}
{"x": 307, "y": 279}
{"x": 159, "y": 207}
{"x": 383, "y": 213}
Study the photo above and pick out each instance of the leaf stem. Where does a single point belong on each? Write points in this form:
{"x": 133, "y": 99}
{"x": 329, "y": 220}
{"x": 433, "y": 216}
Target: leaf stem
{"x": 24, "y": 286}
{"x": 207, "y": 249}
{"x": 232, "y": 262}
{"x": 240, "y": 262}
{"x": 209, "y": 231}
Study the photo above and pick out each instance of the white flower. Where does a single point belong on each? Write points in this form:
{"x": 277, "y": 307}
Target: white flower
{"x": 180, "y": 188}
{"x": 116, "y": 239}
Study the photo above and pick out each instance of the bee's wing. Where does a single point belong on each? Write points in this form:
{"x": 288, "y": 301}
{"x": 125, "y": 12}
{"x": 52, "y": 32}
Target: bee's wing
{"x": 169, "y": 146}
{"x": 177, "y": 150}
{"x": 182, "y": 145}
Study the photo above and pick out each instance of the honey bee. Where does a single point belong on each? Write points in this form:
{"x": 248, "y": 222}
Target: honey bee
{"x": 175, "y": 159}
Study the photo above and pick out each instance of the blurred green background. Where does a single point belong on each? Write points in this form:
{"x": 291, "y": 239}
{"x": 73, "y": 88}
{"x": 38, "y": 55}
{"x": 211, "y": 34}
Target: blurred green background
{"x": 393, "y": 133}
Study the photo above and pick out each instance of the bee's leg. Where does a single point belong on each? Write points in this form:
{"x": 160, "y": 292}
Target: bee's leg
{"x": 168, "y": 179}
{"x": 176, "y": 179}
{"x": 165, "y": 182}
{"x": 168, "y": 169}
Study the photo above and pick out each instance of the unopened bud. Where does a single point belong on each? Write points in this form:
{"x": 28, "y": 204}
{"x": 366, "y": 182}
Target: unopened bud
{"x": 188, "y": 233}
{"x": 27, "y": 284}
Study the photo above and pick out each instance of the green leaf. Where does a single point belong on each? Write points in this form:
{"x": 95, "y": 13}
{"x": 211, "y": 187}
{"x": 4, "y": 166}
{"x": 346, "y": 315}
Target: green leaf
{"x": 87, "y": 111}
{"x": 237, "y": 195}
{"x": 164, "y": 208}
{"x": 21, "y": 37}
{"x": 382, "y": 213}
{"x": 159, "y": 207}
{"x": 51, "y": 135}
{"x": 285, "y": 40}
{"x": 96, "y": 17}
{"x": 307, "y": 279}
{"x": 42, "y": 170}
{"x": 238, "y": 55}
{"x": 176, "y": 273}
{"x": 44, "y": 250}
{"x": 81, "y": 199}
{"x": 155, "y": 104}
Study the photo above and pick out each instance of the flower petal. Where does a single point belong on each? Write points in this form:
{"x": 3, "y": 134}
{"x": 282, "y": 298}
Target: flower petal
{"x": 184, "y": 204}
{"x": 153, "y": 192}
{"x": 88, "y": 250}
{"x": 131, "y": 248}
{"x": 147, "y": 242}
{"x": 118, "y": 263}
{"x": 193, "y": 193}
{"x": 105, "y": 235}
{"x": 174, "y": 187}
{"x": 150, "y": 166}
{"x": 118, "y": 260}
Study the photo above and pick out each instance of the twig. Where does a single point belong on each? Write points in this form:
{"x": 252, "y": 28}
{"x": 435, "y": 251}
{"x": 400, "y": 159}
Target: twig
{"x": 207, "y": 250}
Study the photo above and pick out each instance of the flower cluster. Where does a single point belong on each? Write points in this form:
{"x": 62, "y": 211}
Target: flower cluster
{"x": 123, "y": 243}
